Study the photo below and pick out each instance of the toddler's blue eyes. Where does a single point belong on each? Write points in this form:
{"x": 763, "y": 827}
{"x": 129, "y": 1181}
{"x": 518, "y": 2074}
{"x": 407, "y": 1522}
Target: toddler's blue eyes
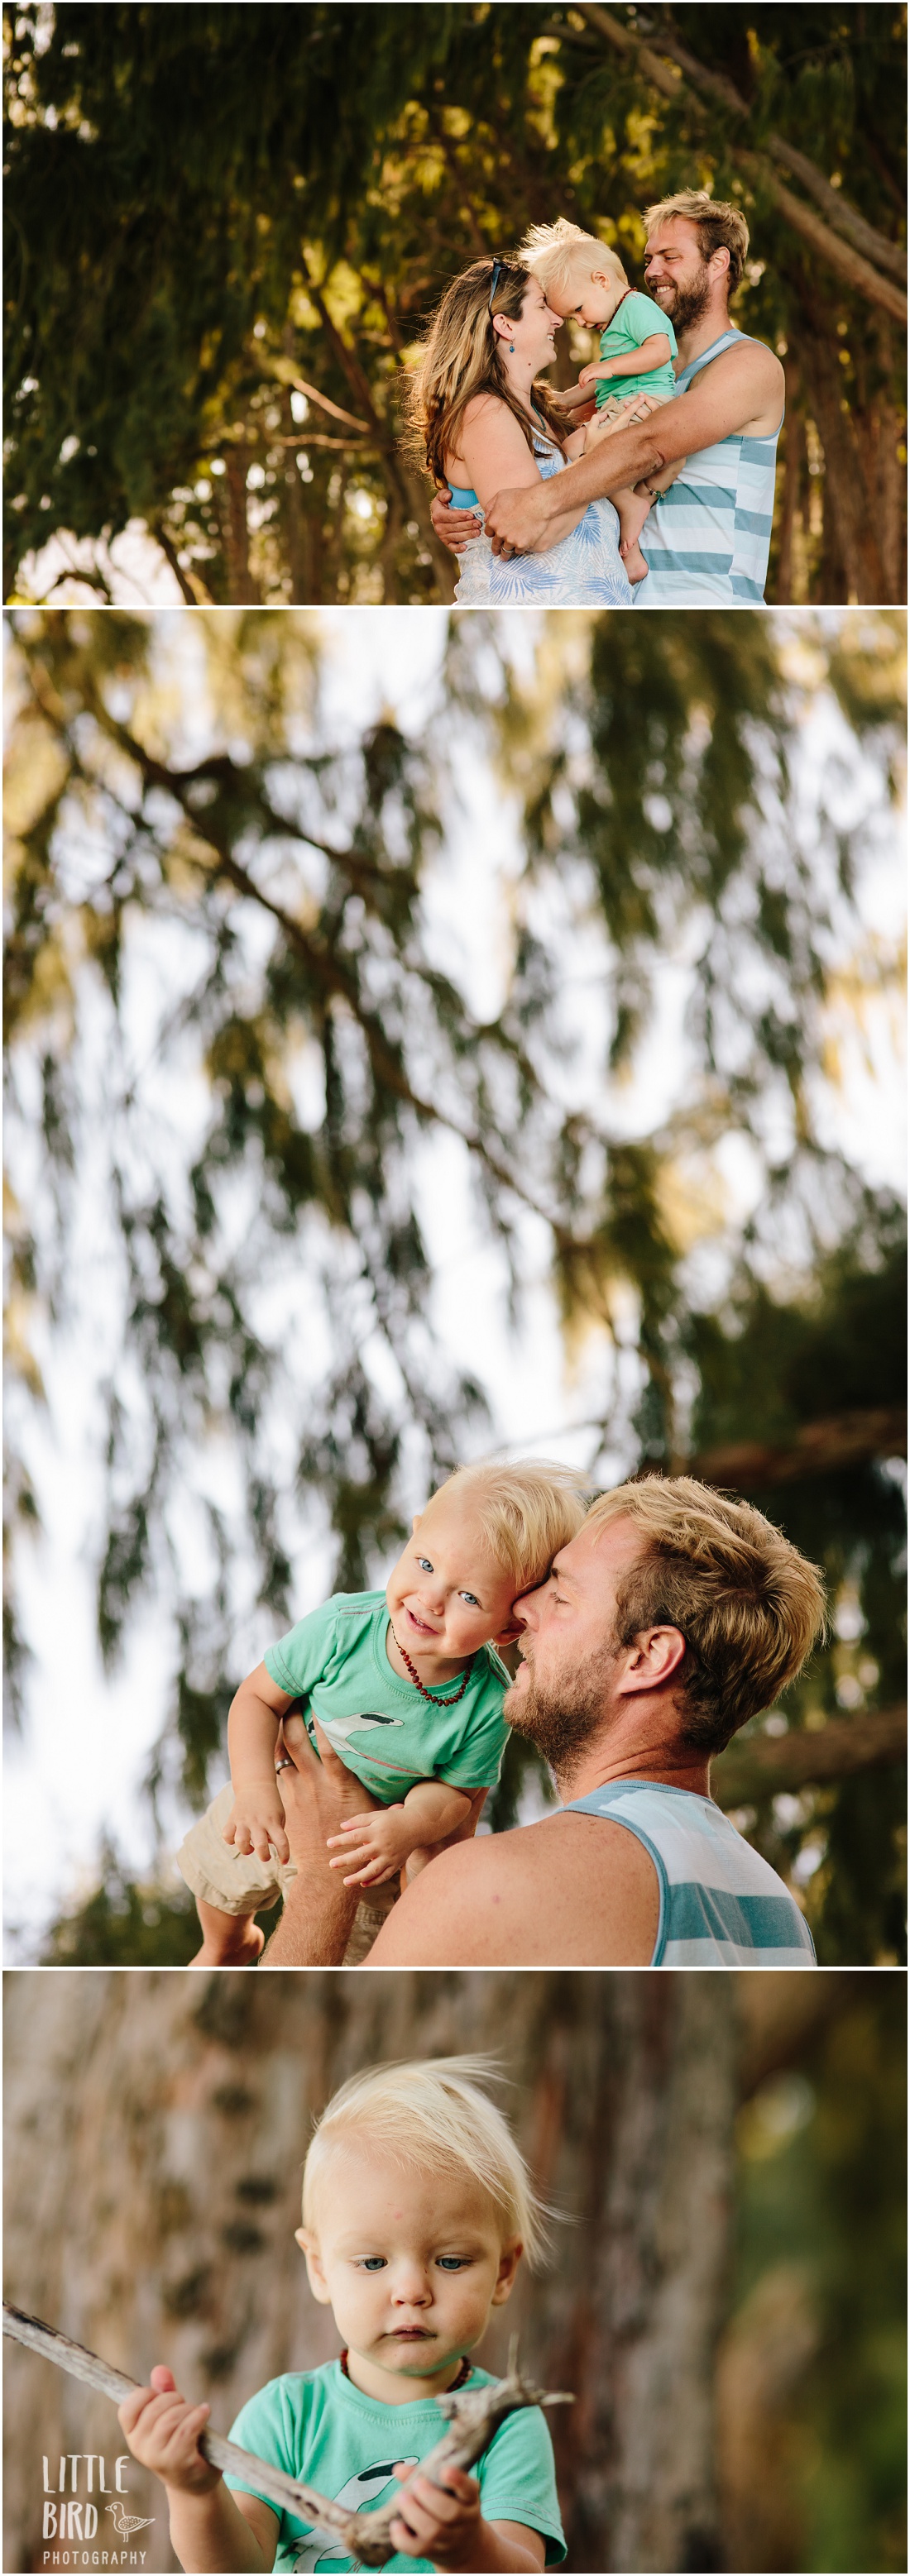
{"x": 374, "y": 2263}
{"x": 451, "y": 2262}
{"x": 424, "y": 1564}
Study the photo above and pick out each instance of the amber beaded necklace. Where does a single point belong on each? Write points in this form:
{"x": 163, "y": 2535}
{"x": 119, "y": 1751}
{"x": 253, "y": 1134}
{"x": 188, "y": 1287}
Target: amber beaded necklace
{"x": 418, "y": 1684}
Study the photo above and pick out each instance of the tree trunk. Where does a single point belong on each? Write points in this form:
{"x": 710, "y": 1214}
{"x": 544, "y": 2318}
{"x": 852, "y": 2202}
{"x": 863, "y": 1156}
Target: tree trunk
{"x": 847, "y": 494}
{"x": 156, "y": 2128}
{"x": 242, "y": 590}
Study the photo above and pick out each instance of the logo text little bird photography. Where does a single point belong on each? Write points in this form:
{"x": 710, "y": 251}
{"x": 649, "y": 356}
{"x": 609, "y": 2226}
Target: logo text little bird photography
{"x": 86, "y": 2520}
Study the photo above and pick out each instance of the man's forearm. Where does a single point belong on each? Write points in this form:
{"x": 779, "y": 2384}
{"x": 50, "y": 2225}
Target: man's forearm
{"x": 627, "y": 457}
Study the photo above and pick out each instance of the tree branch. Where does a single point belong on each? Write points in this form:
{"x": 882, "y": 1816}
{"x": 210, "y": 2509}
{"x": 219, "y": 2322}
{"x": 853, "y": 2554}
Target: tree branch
{"x": 841, "y": 215}
{"x": 844, "y": 217}
{"x": 331, "y": 977}
{"x": 169, "y": 551}
{"x": 861, "y": 275}
{"x": 781, "y": 2015}
{"x": 818, "y": 1449}
{"x": 807, "y": 1757}
{"x": 474, "y": 2416}
{"x": 857, "y": 271}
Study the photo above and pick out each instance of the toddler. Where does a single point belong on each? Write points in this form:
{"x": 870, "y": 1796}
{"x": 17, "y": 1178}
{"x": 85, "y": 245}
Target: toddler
{"x": 582, "y": 278}
{"x": 417, "y": 2207}
{"x": 405, "y": 1687}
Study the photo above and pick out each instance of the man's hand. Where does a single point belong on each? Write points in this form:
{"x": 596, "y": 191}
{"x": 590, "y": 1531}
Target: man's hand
{"x": 372, "y": 1847}
{"x": 256, "y": 1820}
{"x": 454, "y": 528}
{"x": 163, "y": 2432}
{"x": 517, "y": 521}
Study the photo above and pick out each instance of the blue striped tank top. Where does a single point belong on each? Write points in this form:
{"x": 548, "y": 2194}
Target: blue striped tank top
{"x": 706, "y": 542}
{"x": 721, "y": 1904}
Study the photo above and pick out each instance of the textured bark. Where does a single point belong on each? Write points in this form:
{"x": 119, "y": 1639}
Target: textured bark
{"x": 851, "y": 527}
{"x": 156, "y": 2128}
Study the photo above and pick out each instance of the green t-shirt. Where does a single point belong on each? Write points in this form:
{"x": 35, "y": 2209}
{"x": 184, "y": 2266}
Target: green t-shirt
{"x": 634, "y": 321}
{"x": 318, "y": 2427}
{"x": 381, "y": 1727}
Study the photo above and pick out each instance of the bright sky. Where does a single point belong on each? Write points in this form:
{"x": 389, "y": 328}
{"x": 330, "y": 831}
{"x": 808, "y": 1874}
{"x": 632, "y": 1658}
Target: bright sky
{"x": 76, "y": 1774}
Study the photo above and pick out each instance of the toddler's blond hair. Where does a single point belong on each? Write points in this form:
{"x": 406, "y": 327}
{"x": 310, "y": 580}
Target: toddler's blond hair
{"x": 556, "y": 252}
{"x": 432, "y": 2115}
{"x": 525, "y": 1512}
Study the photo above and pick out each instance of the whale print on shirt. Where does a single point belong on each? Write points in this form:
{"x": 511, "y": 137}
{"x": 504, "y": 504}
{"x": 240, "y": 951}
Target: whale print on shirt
{"x": 361, "y": 2491}
{"x": 338, "y": 1729}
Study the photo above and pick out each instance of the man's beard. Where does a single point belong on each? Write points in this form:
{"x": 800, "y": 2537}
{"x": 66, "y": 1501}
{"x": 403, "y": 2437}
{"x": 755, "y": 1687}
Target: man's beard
{"x": 688, "y": 305}
{"x": 560, "y": 1720}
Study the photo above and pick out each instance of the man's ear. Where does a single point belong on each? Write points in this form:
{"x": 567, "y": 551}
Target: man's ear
{"x": 508, "y": 2265}
{"x": 654, "y": 1657}
{"x": 315, "y": 2274}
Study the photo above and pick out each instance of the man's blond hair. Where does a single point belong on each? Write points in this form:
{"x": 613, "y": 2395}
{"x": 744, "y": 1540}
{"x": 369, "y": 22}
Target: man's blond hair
{"x": 431, "y": 2115}
{"x": 749, "y": 1606}
{"x": 525, "y": 1512}
{"x": 719, "y": 225}
{"x": 555, "y": 253}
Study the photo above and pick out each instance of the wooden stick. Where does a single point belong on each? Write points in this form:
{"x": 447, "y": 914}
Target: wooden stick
{"x": 473, "y": 2416}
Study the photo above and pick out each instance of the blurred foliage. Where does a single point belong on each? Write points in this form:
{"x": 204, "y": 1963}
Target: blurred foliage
{"x": 209, "y": 204}
{"x": 125, "y": 1922}
{"x": 822, "y": 2220}
{"x": 231, "y": 1039}
{"x": 764, "y": 1367}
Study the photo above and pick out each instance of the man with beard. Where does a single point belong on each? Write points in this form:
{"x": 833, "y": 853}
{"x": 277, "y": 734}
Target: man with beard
{"x": 674, "y": 1616}
{"x": 707, "y": 536}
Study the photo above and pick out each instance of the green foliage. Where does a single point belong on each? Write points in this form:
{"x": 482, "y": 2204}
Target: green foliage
{"x": 822, "y": 2190}
{"x": 257, "y": 902}
{"x": 766, "y": 1366}
{"x": 209, "y": 203}
{"x": 124, "y": 1923}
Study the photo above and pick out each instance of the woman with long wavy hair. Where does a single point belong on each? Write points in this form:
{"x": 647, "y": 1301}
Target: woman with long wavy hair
{"x": 483, "y": 421}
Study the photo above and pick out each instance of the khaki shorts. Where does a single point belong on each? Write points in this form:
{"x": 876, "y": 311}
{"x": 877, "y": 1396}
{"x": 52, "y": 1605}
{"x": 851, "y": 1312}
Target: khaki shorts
{"x": 238, "y": 1883}
{"x": 614, "y": 409}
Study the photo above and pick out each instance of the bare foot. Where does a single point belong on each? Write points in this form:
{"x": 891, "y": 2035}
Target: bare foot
{"x": 636, "y": 567}
{"x": 240, "y": 1953}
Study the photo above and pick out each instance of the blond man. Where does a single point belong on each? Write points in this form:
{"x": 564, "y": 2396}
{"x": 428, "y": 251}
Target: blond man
{"x": 674, "y": 1616}
{"x": 707, "y": 539}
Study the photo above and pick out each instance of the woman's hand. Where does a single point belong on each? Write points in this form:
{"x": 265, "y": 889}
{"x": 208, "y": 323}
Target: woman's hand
{"x": 163, "y": 2432}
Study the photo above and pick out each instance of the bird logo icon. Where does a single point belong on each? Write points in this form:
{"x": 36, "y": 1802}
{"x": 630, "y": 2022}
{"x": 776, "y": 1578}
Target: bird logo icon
{"x": 127, "y": 2523}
